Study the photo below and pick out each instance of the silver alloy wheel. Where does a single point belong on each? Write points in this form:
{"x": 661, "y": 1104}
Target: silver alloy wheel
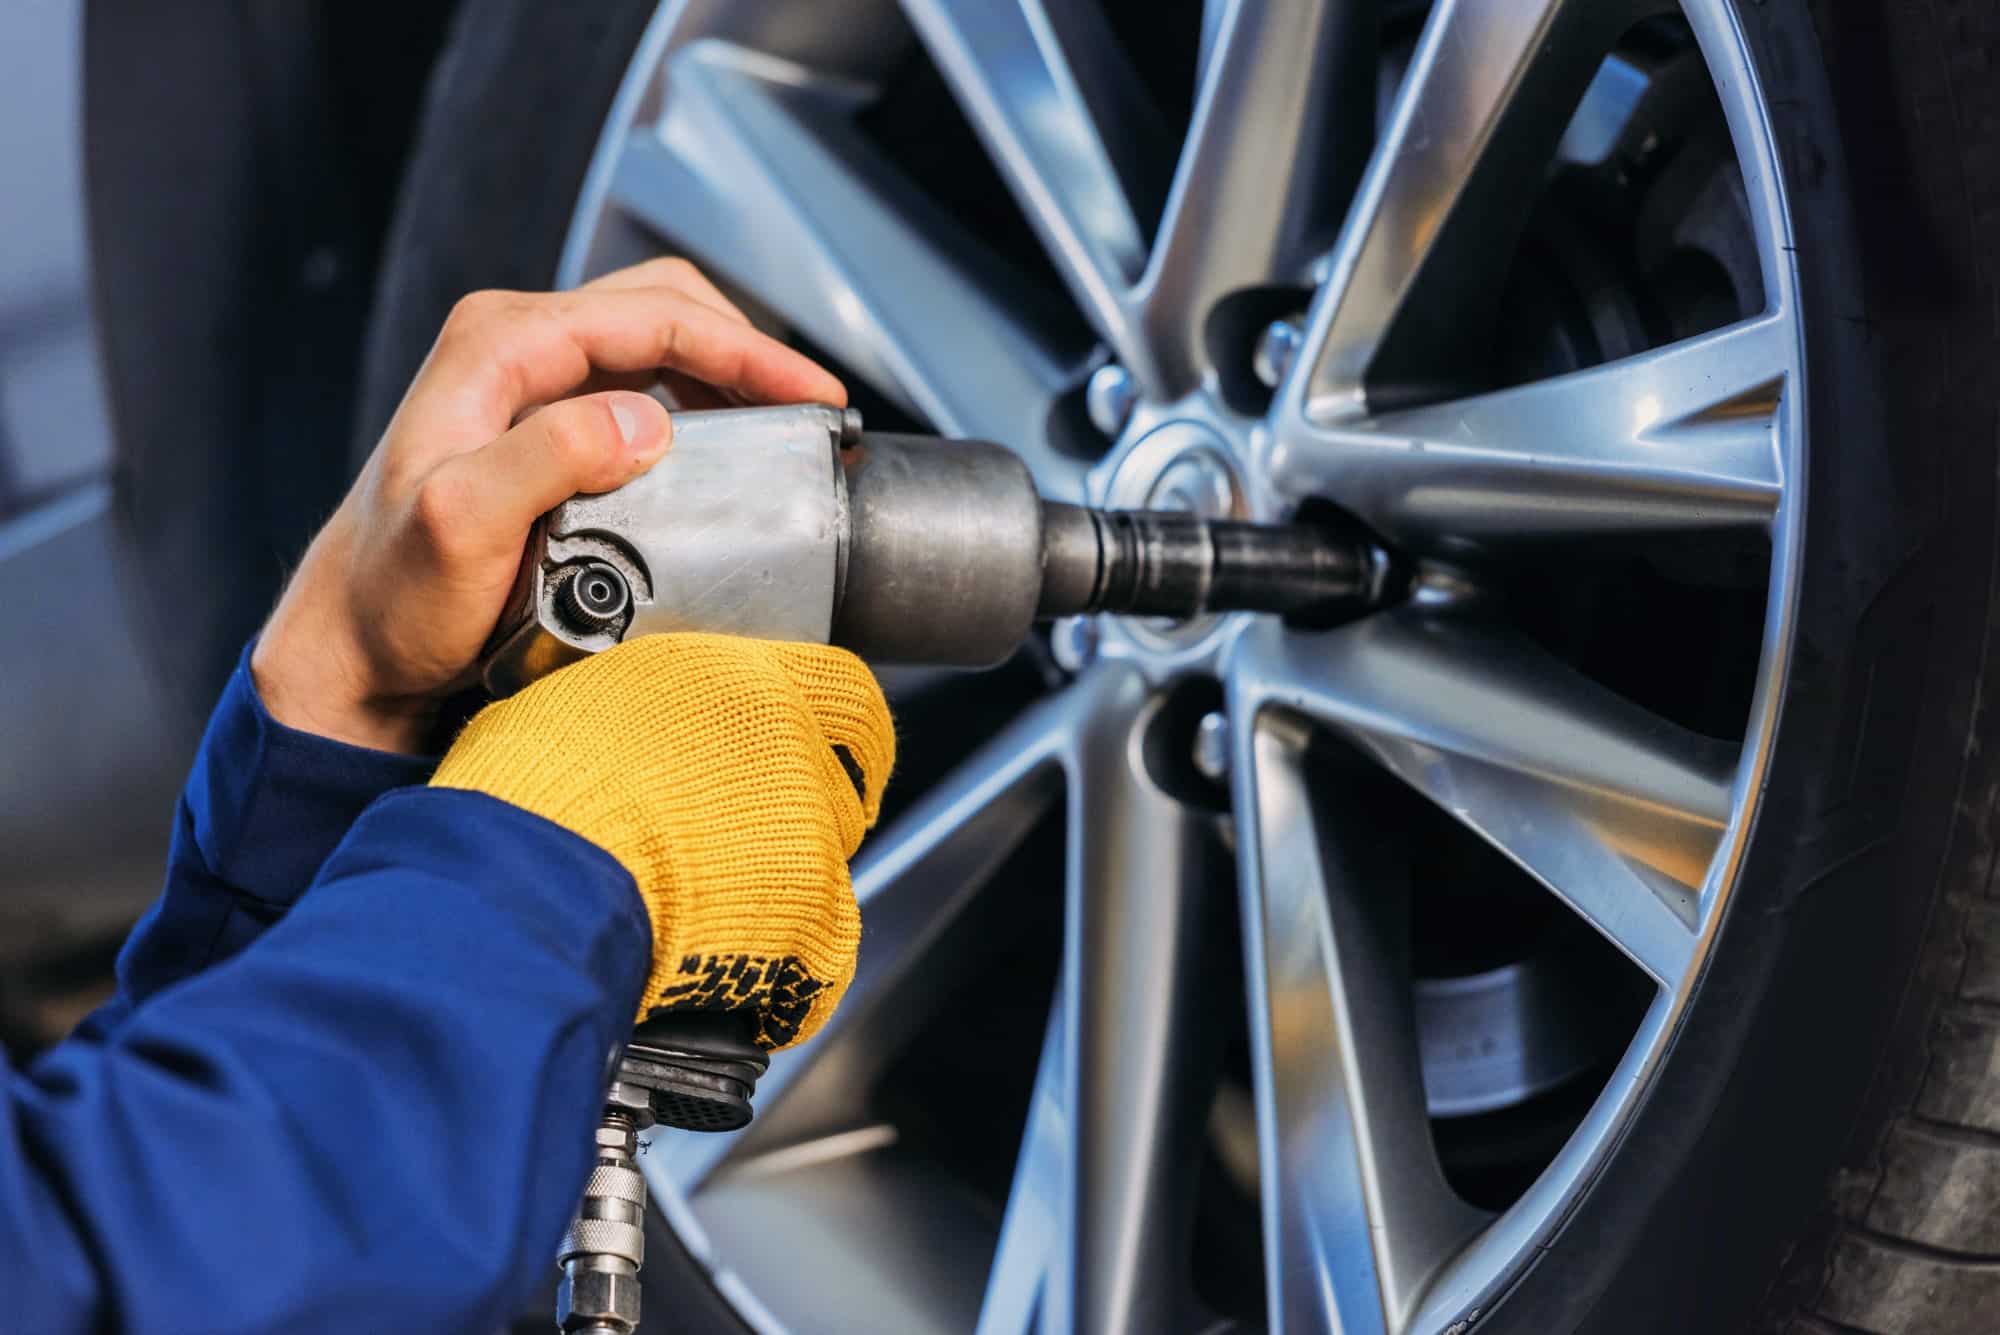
{"x": 729, "y": 137}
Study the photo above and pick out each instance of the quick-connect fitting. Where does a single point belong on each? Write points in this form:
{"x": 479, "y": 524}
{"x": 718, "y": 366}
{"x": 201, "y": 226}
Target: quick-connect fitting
{"x": 605, "y": 1244}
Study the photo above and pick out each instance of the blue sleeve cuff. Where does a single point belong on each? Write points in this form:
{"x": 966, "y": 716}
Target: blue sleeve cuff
{"x": 270, "y": 803}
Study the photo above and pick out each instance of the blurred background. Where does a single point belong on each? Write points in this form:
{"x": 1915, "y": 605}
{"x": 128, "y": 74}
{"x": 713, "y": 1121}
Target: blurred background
{"x": 195, "y": 196}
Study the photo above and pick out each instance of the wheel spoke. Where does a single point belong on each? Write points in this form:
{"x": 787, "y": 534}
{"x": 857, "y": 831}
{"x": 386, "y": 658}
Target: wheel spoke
{"x": 1059, "y": 109}
{"x": 1139, "y": 1041}
{"x": 1019, "y": 1279}
{"x": 767, "y": 183}
{"x": 915, "y": 881}
{"x": 1678, "y": 438}
{"x": 1433, "y": 227}
{"x": 1357, "y": 1215}
{"x": 1213, "y": 14}
{"x": 1615, "y": 810}
{"x": 1284, "y": 83}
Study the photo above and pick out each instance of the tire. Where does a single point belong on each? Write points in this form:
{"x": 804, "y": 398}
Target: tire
{"x": 1821, "y": 1150}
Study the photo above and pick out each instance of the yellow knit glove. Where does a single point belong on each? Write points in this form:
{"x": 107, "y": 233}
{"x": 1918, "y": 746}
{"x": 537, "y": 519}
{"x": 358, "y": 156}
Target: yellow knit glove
{"x": 712, "y": 768}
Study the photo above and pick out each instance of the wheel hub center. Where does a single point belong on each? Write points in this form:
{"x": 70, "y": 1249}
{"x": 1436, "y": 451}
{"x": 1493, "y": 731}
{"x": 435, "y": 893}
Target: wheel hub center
{"x": 1181, "y": 465}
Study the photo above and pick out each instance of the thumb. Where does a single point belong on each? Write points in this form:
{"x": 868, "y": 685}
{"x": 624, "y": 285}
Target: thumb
{"x": 594, "y": 443}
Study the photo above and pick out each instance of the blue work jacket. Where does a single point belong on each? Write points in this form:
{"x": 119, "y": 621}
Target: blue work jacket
{"x": 349, "y": 1077}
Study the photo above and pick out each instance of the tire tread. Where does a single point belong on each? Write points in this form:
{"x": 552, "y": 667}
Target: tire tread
{"x": 1916, "y": 1246}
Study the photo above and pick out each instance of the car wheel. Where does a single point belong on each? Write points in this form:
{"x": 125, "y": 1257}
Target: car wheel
{"x": 1599, "y": 940}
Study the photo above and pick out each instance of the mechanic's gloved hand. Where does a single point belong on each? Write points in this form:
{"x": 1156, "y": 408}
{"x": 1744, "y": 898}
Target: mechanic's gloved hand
{"x": 733, "y": 778}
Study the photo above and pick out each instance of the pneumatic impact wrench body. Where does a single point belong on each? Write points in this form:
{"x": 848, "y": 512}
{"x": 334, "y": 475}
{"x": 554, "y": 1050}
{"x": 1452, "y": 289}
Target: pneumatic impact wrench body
{"x": 792, "y": 524}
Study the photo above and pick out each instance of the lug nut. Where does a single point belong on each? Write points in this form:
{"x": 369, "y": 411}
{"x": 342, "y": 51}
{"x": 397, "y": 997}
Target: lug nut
{"x": 1073, "y": 643}
{"x": 592, "y": 597}
{"x": 1109, "y": 398}
{"x": 1276, "y": 348}
{"x": 1211, "y": 745}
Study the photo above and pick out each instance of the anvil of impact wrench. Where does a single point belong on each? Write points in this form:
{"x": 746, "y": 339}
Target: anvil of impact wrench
{"x": 793, "y": 524}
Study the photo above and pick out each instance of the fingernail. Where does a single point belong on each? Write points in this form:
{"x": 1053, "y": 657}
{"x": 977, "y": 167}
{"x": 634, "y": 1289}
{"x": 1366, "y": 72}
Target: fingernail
{"x": 623, "y": 413}
{"x": 644, "y": 429}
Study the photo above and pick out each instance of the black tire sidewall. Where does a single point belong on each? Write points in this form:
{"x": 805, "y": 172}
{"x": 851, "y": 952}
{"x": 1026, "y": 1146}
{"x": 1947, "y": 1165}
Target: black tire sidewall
{"x": 515, "y": 109}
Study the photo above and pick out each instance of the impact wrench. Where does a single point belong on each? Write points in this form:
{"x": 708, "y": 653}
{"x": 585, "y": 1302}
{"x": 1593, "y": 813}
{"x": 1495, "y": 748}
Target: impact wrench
{"x": 792, "y": 524}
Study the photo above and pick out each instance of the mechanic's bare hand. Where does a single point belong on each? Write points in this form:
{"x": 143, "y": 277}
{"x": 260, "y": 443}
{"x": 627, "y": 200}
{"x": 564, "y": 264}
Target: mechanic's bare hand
{"x": 525, "y": 400}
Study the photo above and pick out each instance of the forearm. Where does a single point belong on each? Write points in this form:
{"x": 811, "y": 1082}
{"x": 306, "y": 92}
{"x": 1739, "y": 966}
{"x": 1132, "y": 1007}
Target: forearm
{"x": 264, "y": 806}
{"x": 379, "y": 1115}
